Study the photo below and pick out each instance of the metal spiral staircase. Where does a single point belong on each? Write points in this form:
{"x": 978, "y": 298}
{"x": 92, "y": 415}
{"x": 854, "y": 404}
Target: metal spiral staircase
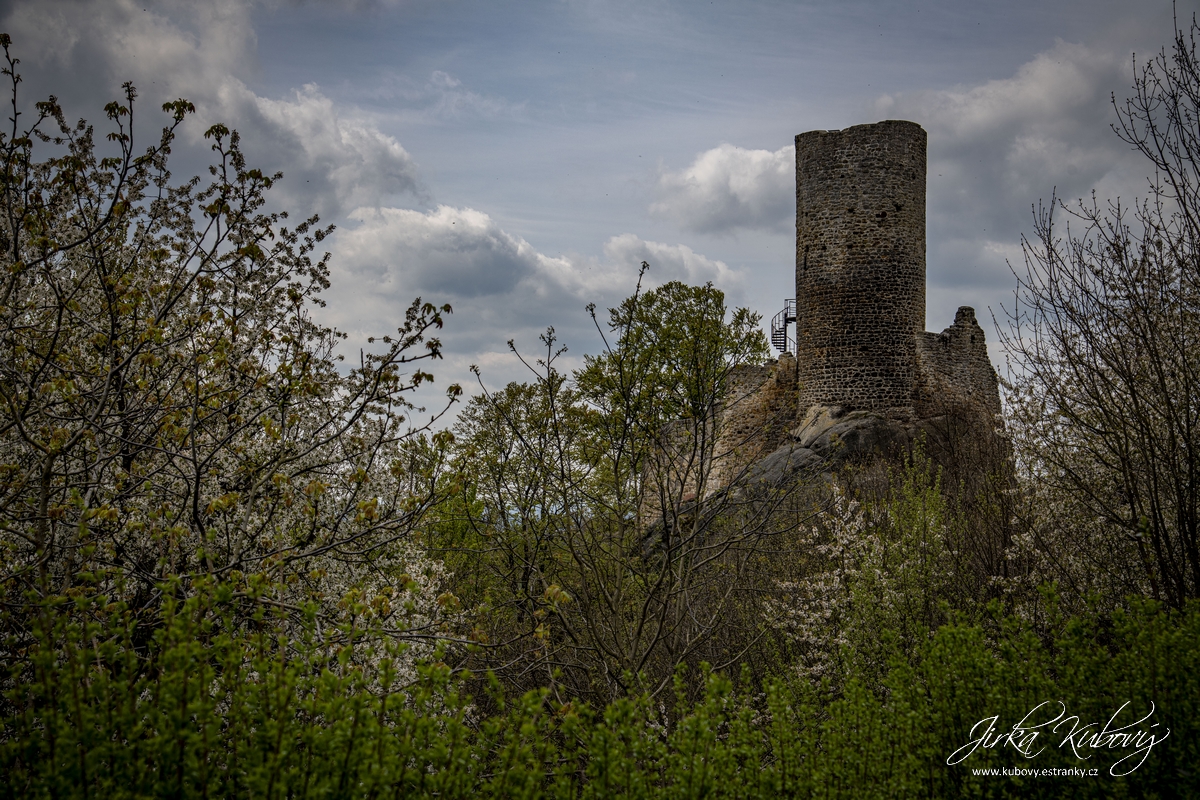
{"x": 779, "y": 328}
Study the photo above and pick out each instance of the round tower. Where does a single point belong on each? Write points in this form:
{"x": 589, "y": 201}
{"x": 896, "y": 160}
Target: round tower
{"x": 860, "y": 264}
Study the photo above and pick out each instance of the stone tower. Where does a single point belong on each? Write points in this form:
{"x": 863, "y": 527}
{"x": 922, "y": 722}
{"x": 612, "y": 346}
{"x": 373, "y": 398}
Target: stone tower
{"x": 860, "y": 265}
{"x": 867, "y": 379}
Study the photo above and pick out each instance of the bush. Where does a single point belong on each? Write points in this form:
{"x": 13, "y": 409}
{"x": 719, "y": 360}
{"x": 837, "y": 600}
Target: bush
{"x": 208, "y": 708}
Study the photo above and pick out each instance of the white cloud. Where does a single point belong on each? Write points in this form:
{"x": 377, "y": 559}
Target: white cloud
{"x": 997, "y": 148}
{"x": 333, "y": 158}
{"x": 670, "y": 262}
{"x": 164, "y": 46}
{"x": 464, "y": 253}
{"x": 1050, "y": 93}
{"x": 459, "y": 252}
{"x": 730, "y": 187}
{"x": 353, "y": 162}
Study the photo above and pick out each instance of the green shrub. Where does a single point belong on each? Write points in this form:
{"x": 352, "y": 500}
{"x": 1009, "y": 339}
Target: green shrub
{"x": 202, "y": 708}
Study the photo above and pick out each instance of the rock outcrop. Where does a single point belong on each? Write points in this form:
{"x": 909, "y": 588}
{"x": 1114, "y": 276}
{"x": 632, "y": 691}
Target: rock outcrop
{"x": 867, "y": 380}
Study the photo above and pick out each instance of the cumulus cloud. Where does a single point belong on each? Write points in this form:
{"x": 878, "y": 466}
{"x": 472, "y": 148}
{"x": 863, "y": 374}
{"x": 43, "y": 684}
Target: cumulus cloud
{"x": 334, "y": 159}
{"x": 458, "y": 252}
{"x": 500, "y": 285}
{"x": 671, "y": 262}
{"x": 462, "y": 253}
{"x": 353, "y": 163}
{"x": 729, "y": 187}
{"x": 168, "y": 48}
{"x": 997, "y": 148}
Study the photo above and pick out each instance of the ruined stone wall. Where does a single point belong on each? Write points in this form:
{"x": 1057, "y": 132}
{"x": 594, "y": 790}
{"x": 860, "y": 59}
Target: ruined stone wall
{"x": 867, "y": 377}
{"x": 955, "y": 373}
{"x": 759, "y": 411}
{"x": 860, "y": 264}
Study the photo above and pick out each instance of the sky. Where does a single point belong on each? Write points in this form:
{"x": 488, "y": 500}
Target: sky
{"x": 519, "y": 160}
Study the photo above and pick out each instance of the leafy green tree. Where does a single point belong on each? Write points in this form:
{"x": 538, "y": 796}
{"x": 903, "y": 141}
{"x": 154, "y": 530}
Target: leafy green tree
{"x": 168, "y": 407}
{"x": 675, "y": 348}
{"x": 607, "y": 568}
{"x": 661, "y": 388}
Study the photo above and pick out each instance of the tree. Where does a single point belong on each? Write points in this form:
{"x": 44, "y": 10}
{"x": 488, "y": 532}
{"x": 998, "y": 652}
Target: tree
{"x": 1105, "y": 336}
{"x": 169, "y": 410}
{"x": 610, "y": 556}
{"x": 665, "y": 382}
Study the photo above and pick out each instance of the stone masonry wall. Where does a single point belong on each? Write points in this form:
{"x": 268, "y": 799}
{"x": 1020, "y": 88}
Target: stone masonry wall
{"x": 955, "y": 373}
{"x": 759, "y": 411}
{"x": 864, "y": 361}
{"x": 860, "y": 264}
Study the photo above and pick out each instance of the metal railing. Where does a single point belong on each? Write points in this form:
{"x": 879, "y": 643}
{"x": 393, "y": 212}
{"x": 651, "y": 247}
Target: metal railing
{"x": 780, "y": 339}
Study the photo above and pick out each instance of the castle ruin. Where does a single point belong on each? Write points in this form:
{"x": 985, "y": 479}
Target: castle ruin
{"x": 866, "y": 376}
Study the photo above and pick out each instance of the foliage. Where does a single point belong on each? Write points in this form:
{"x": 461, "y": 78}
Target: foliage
{"x": 674, "y": 351}
{"x": 1105, "y": 337}
{"x": 211, "y": 708}
{"x": 566, "y": 476}
{"x": 169, "y": 410}
{"x": 880, "y": 578}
